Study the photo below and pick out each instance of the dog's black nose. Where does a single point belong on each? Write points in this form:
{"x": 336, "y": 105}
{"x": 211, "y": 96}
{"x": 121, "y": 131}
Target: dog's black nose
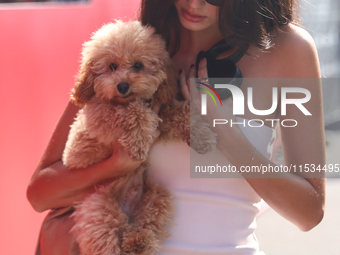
{"x": 123, "y": 87}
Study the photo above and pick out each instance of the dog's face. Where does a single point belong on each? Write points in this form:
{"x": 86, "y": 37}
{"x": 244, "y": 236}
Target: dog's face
{"x": 125, "y": 61}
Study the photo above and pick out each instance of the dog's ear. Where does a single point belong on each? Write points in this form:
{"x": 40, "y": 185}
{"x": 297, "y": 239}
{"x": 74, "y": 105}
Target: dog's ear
{"x": 83, "y": 89}
{"x": 168, "y": 89}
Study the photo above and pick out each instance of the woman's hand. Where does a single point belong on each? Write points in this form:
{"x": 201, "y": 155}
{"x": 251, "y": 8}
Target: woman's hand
{"x": 119, "y": 163}
{"x": 185, "y": 82}
{"x": 53, "y": 185}
{"x": 193, "y": 94}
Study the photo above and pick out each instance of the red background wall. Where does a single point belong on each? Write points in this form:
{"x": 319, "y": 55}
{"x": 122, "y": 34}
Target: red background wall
{"x": 40, "y": 48}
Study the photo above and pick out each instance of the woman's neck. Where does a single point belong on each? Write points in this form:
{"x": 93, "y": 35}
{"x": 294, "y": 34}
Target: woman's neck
{"x": 195, "y": 41}
{"x": 191, "y": 43}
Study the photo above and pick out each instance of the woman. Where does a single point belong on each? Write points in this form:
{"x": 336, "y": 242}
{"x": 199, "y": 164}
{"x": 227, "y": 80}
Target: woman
{"x": 216, "y": 216}
{"x": 278, "y": 49}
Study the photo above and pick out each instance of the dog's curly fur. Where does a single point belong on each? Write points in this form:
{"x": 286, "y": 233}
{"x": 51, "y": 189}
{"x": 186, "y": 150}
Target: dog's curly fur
{"x": 135, "y": 58}
{"x": 125, "y": 70}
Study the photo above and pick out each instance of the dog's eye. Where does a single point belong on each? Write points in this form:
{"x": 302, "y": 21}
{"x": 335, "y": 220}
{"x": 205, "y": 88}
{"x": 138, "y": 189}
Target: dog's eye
{"x": 113, "y": 67}
{"x": 138, "y": 66}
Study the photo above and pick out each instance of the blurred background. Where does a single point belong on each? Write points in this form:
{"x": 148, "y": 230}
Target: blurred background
{"x": 40, "y": 44}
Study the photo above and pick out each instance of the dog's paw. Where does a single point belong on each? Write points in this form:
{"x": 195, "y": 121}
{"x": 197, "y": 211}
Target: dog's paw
{"x": 201, "y": 146}
{"x": 202, "y": 138}
{"x": 140, "y": 131}
{"x": 138, "y": 242}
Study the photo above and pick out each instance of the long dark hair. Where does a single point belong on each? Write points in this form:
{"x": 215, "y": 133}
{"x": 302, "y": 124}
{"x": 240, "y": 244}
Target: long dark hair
{"x": 248, "y": 21}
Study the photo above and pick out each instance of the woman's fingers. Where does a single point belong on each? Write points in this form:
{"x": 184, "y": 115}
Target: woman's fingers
{"x": 156, "y": 108}
{"x": 187, "y": 86}
{"x": 202, "y": 69}
{"x": 120, "y": 161}
{"x": 192, "y": 75}
{"x": 202, "y": 73}
{"x": 184, "y": 86}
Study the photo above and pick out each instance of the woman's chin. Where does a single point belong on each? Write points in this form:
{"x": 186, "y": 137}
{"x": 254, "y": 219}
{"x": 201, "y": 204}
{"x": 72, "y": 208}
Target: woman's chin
{"x": 193, "y": 26}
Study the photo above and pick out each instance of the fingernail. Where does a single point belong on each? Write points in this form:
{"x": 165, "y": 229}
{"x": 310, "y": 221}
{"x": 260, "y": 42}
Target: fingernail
{"x": 201, "y": 59}
{"x": 192, "y": 65}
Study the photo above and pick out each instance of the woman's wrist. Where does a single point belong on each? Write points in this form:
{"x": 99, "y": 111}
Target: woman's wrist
{"x": 228, "y": 137}
{"x": 103, "y": 171}
{"x": 235, "y": 146}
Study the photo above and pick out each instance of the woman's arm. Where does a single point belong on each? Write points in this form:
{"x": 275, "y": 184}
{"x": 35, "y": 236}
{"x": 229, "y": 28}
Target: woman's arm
{"x": 53, "y": 185}
{"x": 300, "y": 200}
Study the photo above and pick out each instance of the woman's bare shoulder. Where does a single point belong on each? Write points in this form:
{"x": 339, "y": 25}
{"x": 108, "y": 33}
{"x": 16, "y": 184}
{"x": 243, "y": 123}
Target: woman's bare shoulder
{"x": 295, "y": 52}
{"x": 292, "y": 55}
{"x": 293, "y": 34}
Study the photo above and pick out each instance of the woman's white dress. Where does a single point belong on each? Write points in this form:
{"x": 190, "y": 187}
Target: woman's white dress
{"x": 213, "y": 215}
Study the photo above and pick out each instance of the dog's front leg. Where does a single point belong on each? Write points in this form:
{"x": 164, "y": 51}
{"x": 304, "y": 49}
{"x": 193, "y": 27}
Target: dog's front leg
{"x": 150, "y": 221}
{"x": 99, "y": 220}
{"x": 139, "y": 130}
{"x": 175, "y": 122}
{"x": 182, "y": 121}
{"x": 202, "y": 138}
